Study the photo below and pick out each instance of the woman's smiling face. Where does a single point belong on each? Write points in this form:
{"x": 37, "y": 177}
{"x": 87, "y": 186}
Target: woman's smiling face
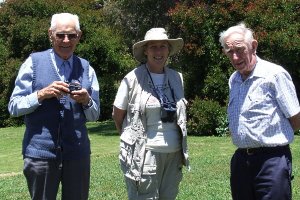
{"x": 157, "y": 53}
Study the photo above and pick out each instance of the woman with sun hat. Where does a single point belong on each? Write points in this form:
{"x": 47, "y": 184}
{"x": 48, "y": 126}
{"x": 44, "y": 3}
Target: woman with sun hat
{"x": 150, "y": 114}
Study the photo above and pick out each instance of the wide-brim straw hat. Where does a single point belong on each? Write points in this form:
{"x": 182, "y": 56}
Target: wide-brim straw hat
{"x": 156, "y": 34}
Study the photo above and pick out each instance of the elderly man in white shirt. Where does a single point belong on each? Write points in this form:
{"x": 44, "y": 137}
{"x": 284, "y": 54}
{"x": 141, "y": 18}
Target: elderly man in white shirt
{"x": 263, "y": 114}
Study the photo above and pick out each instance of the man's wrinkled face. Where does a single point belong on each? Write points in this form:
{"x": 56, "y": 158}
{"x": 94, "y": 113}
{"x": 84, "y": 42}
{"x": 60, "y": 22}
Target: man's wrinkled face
{"x": 241, "y": 54}
{"x": 64, "y": 38}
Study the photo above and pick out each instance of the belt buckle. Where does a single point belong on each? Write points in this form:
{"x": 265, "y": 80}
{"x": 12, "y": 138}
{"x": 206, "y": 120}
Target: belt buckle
{"x": 249, "y": 152}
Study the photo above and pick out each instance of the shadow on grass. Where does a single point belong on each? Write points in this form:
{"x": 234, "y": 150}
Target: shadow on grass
{"x": 105, "y": 128}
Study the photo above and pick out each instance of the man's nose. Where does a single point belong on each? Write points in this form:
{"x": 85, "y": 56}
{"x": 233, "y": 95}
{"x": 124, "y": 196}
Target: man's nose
{"x": 235, "y": 56}
{"x": 66, "y": 38}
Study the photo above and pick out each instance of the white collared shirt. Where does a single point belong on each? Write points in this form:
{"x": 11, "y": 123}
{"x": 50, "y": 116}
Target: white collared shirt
{"x": 260, "y": 106}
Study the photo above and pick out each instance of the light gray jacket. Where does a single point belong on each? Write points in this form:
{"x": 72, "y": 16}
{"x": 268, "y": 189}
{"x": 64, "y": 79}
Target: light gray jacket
{"x": 133, "y": 137}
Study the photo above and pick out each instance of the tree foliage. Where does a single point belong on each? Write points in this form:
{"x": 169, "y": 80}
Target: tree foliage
{"x": 111, "y": 27}
{"x": 134, "y": 18}
{"x": 275, "y": 23}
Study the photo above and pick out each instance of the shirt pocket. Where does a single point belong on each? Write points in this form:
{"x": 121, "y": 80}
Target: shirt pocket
{"x": 262, "y": 104}
{"x": 127, "y": 146}
{"x": 150, "y": 165}
{"x": 149, "y": 169}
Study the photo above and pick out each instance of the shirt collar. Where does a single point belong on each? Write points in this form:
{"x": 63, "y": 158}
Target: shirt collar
{"x": 257, "y": 71}
{"x": 59, "y": 61}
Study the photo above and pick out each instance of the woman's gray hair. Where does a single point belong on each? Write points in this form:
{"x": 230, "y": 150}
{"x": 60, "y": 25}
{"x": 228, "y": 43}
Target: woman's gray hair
{"x": 241, "y": 29}
{"x": 59, "y": 16}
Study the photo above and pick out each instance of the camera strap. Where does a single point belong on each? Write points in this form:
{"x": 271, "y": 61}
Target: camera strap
{"x": 62, "y": 101}
{"x": 163, "y": 99}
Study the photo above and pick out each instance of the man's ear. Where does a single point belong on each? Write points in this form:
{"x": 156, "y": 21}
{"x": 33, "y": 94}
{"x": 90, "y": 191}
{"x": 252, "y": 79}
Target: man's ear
{"x": 79, "y": 35}
{"x": 50, "y": 34}
{"x": 254, "y": 45}
{"x": 223, "y": 50}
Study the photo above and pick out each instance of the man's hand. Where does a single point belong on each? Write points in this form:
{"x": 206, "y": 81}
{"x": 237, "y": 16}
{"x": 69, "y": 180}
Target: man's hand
{"x": 295, "y": 121}
{"x": 56, "y": 89}
{"x": 81, "y": 96}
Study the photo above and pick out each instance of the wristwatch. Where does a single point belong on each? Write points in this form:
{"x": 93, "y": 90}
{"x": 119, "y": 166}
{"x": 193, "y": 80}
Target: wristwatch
{"x": 90, "y": 103}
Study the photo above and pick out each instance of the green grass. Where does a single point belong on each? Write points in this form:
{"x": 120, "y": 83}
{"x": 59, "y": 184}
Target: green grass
{"x": 207, "y": 180}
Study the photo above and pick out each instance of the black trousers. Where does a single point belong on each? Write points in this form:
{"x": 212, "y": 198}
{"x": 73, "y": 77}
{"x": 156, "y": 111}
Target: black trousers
{"x": 261, "y": 174}
{"x": 44, "y": 176}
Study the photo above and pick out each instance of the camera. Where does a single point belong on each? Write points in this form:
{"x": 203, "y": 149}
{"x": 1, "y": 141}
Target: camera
{"x": 168, "y": 112}
{"x": 74, "y": 87}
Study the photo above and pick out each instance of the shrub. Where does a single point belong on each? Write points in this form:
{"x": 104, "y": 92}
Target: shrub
{"x": 207, "y": 118}
{"x": 110, "y": 61}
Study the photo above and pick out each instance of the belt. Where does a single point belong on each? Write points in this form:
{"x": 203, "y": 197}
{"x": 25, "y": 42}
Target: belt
{"x": 252, "y": 151}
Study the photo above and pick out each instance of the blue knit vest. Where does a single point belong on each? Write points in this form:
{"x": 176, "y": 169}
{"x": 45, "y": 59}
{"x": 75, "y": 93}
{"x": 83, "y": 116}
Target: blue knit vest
{"x": 42, "y": 134}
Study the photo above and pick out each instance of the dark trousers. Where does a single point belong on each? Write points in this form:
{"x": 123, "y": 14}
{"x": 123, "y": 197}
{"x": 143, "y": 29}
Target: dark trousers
{"x": 261, "y": 174}
{"x": 44, "y": 176}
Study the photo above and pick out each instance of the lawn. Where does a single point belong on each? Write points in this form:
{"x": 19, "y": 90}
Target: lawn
{"x": 207, "y": 180}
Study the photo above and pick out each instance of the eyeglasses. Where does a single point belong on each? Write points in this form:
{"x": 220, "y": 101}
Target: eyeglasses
{"x": 71, "y": 36}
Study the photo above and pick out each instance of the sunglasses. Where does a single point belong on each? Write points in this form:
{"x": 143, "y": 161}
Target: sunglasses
{"x": 71, "y": 36}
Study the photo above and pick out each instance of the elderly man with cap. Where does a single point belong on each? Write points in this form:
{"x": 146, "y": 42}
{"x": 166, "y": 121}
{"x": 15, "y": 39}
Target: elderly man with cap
{"x": 150, "y": 114}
